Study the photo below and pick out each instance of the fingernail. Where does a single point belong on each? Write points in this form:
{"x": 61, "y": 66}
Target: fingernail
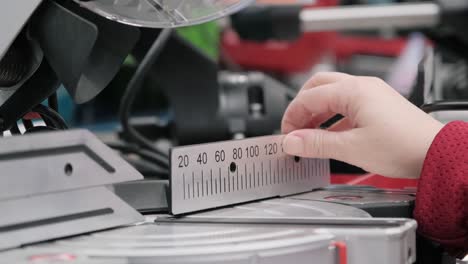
{"x": 293, "y": 145}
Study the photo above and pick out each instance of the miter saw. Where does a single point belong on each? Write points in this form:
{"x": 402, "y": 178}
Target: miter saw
{"x": 58, "y": 184}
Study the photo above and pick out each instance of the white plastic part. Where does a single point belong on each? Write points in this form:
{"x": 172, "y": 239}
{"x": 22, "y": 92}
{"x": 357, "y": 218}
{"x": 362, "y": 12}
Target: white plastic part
{"x": 163, "y": 13}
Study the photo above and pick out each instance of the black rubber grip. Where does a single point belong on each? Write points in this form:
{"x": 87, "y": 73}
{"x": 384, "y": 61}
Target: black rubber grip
{"x": 268, "y": 22}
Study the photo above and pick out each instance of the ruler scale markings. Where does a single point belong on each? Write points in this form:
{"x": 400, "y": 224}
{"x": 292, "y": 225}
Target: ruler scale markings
{"x": 216, "y": 186}
{"x": 228, "y": 180}
{"x": 193, "y": 184}
{"x": 325, "y": 168}
{"x": 299, "y": 171}
{"x": 293, "y": 168}
{"x": 285, "y": 177}
{"x": 319, "y": 168}
{"x": 295, "y": 173}
{"x": 243, "y": 183}
{"x": 297, "y": 165}
{"x": 232, "y": 179}
{"x": 237, "y": 175}
{"x": 211, "y": 180}
{"x": 312, "y": 170}
{"x": 202, "y": 181}
{"x": 278, "y": 170}
{"x": 296, "y": 169}
{"x": 220, "y": 181}
{"x": 266, "y": 174}
{"x": 282, "y": 171}
{"x": 224, "y": 185}
{"x": 183, "y": 185}
{"x": 254, "y": 180}
{"x": 250, "y": 180}
{"x": 305, "y": 169}
{"x": 259, "y": 181}
{"x": 270, "y": 173}
{"x": 275, "y": 179}
{"x": 247, "y": 183}
{"x": 263, "y": 178}
{"x": 290, "y": 164}
{"x": 258, "y": 177}
{"x": 316, "y": 169}
{"x": 282, "y": 175}
{"x": 312, "y": 173}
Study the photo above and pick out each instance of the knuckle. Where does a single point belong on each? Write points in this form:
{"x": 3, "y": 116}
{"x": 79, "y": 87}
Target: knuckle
{"x": 315, "y": 79}
{"x": 316, "y": 146}
{"x": 373, "y": 81}
{"x": 312, "y": 147}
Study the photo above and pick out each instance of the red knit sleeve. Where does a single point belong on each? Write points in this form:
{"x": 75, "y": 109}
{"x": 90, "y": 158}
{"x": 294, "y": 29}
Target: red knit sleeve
{"x": 442, "y": 199}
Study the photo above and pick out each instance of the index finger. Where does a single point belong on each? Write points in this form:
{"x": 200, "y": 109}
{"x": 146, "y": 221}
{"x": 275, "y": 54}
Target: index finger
{"x": 312, "y": 104}
{"x": 323, "y": 78}
{"x": 297, "y": 116}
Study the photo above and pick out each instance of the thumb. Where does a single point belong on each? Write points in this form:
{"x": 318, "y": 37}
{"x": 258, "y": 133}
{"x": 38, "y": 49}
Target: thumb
{"x": 317, "y": 143}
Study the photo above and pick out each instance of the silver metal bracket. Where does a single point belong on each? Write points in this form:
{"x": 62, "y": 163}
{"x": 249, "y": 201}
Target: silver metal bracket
{"x": 53, "y": 185}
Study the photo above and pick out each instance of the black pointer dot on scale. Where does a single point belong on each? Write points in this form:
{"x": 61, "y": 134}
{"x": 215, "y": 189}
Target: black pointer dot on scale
{"x": 233, "y": 167}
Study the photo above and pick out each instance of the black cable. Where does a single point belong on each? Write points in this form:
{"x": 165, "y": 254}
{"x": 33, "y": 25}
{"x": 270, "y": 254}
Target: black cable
{"x": 37, "y": 129}
{"x": 49, "y": 121}
{"x": 133, "y": 87}
{"x": 51, "y": 117}
{"x": 14, "y": 130}
{"x": 144, "y": 154}
{"x": 445, "y": 106}
{"x": 28, "y": 124}
{"x": 147, "y": 169}
{"x": 53, "y": 102}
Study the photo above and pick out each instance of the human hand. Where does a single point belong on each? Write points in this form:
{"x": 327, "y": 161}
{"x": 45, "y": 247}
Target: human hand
{"x": 381, "y": 133}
